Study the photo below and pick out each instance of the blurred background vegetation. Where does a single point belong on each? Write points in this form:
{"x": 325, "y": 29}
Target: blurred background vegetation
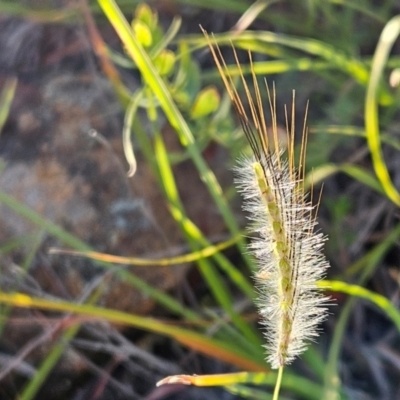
{"x": 117, "y": 141}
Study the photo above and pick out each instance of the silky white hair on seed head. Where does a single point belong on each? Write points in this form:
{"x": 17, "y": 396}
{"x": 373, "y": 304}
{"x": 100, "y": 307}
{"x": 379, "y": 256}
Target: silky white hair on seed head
{"x": 287, "y": 249}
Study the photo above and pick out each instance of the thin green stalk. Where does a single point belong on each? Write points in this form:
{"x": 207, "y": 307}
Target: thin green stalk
{"x": 34, "y": 385}
{"x": 278, "y": 383}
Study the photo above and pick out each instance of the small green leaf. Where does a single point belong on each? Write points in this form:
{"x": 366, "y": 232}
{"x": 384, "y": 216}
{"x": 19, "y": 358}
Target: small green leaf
{"x": 165, "y": 62}
{"x": 142, "y": 33}
{"x": 207, "y": 101}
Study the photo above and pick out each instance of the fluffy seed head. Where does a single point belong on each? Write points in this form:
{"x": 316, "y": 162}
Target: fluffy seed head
{"x": 286, "y": 247}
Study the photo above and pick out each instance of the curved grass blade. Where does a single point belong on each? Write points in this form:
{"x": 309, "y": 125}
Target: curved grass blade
{"x": 360, "y": 174}
{"x": 144, "y": 262}
{"x": 358, "y": 291}
{"x": 168, "y": 36}
{"x": 332, "y": 379}
{"x": 127, "y": 129}
{"x": 368, "y": 263}
{"x": 350, "y": 130}
{"x": 261, "y": 41}
{"x": 386, "y": 41}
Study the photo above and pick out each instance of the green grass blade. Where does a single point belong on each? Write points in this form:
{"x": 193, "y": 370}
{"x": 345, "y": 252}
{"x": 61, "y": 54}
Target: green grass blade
{"x": 322, "y": 172}
{"x": 386, "y": 41}
{"x": 350, "y": 130}
{"x": 159, "y": 89}
{"x": 363, "y": 176}
{"x": 34, "y": 385}
{"x": 168, "y": 36}
{"x": 261, "y": 41}
{"x": 358, "y": 291}
{"x": 214, "y": 281}
{"x": 369, "y": 262}
{"x": 6, "y": 99}
{"x": 332, "y": 380}
{"x": 192, "y": 339}
{"x": 301, "y": 386}
{"x": 273, "y": 67}
{"x": 70, "y": 240}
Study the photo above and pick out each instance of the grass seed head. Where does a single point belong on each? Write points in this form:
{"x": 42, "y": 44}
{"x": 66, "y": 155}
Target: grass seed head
{"x": 286, "y": 247}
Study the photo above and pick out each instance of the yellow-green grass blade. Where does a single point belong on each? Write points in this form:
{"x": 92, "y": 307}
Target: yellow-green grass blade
{"x": 272, "y": 67}
{"x": 368, "y": 263}
{"x": 300, "y": 386}
{"x": 6, "y": 99}
{"x": 350, "y": 130}
{"x": 70, "y": 240}
{"x": 217, "y": 285}
{"x": 187, "y": 226}
{"x": 332, "y": 383}
{"x": 261, "y": 41}
{"x": 324, "y": 171}
{"x": 358, "y": 291}
{"x": 55, "y": 352}
{"x": 214, "y": 281}
{"x": 285, "y": 65}
{"x": 386, "y": 41}
{"x": 165, "y": 176}
{"x": 175, "y": 118}
{"x": 145, "y": 262}
{"x": 223, "y": 350}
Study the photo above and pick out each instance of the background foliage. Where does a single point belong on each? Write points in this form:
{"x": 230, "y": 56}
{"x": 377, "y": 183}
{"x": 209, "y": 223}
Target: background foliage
{"x": 148, "y": 101}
